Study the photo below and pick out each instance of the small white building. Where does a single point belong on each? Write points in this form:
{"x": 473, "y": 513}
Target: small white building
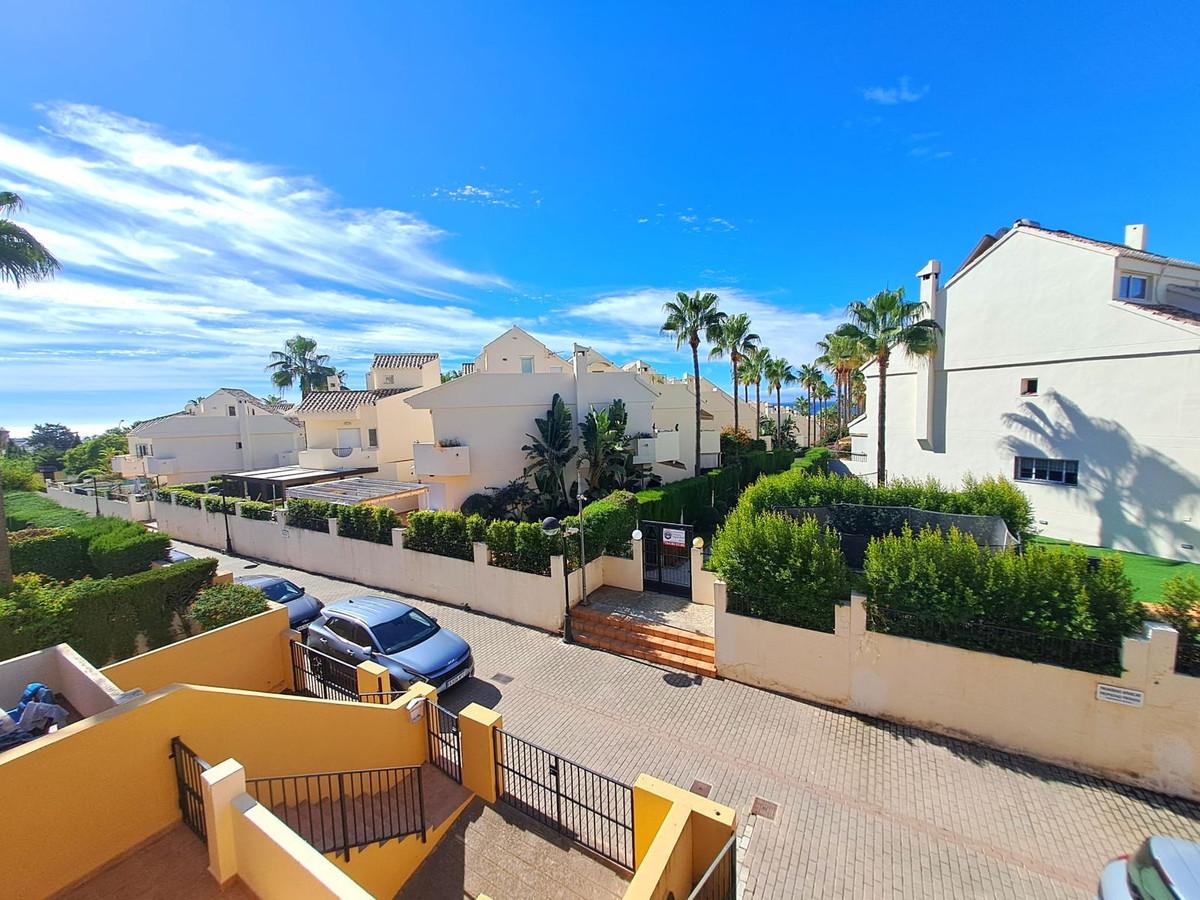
{"x": 227, "y": 431}
{"x": 1070, "y": 365}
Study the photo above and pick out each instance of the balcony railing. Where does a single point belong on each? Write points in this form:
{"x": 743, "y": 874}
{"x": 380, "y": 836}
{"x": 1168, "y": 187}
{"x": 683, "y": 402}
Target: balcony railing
{"x": 666, "y": 447}
{"x": 433, "y": 459}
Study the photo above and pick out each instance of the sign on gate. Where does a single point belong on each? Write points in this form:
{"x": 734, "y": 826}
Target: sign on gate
{"x": 674, "y": 537}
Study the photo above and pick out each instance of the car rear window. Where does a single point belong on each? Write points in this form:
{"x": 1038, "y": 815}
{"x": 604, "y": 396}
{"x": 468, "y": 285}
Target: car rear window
{"x": 403, "y": 631}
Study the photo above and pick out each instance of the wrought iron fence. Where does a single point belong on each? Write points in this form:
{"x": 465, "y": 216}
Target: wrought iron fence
{"x": 591, "y": 809}
{"x": 1019, "y": 643}
{"x": 321, "y": 675}
{"x": 1187, "y": 658}
{"x": 188, "y": 769}
{"x": 445, "y": 742}
{"x": 340, "y": 811}
{"x": 719, "y": 881}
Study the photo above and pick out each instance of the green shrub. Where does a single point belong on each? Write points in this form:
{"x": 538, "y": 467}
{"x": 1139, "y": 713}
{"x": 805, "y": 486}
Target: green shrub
{"x": 1180, "y": 606}
{"x": 523, "y": 546}
{"x": 609, "y": 525}
{"x": 57, "y": 553}
{"x": 313, "y": 515}
{"x": 224, "y": 604}
{"x": 444, "y": 532}
{"x": 253, "y": 509}
{"x": 33, "y": 614}
{"x": 27, "y": 510}
{"x": 190, "y": 499}
{"x": 125, "y": 552}
{"x": 780, "y": 569}
{"x": 20, "y": 475}
{"x": 702, "y": 501}
{"x": 367, "y": 523}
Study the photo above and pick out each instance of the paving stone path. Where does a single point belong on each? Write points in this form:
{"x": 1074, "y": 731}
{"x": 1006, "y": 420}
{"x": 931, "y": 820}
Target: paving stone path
{"x": 861, "y": 807}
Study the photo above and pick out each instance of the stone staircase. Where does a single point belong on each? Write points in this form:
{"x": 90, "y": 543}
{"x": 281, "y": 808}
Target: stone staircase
{"x": 639, "y": 639}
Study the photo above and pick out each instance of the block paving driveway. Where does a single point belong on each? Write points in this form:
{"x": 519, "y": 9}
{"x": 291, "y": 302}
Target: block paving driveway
{"x": 865, "y": 808}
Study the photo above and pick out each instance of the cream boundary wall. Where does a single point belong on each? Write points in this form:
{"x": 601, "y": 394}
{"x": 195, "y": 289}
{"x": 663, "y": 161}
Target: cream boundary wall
{"x": 134, "y": 510}
{"x": 66, "y": 673}
{"x": 1047, "y": 712}
{"x": 533, "y": 600}
{"x": 1118, "y": 390}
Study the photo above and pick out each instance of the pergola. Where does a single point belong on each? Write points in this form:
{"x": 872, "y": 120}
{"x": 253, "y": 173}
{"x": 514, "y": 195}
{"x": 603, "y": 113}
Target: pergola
{"x": 280, "y": 483}
{"x": 354, "y": 491}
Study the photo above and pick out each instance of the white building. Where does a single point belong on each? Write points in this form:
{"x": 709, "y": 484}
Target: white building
{"x": 228, "y": 431}
{"x": 1070, "y": 365}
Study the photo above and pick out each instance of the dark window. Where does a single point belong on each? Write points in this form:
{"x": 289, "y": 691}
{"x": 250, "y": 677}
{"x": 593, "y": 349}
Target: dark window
{"x": 232, "y": 410}
{"x": 1133, "y": 287}
{"x": 282, "y": 591}
{"x": 372, "y": 437}
{"x": 351, "y": 632}
{"x": 237, "y": 444}
{"x": 1029, "y": 387}
{"x": 1055, "y": 471}
{"x": 404, "y": 631}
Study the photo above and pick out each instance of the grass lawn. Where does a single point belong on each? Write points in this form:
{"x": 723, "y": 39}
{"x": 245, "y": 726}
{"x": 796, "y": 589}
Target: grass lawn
{"x": 1146, "y": 572}
{"x": 25, "y": 509}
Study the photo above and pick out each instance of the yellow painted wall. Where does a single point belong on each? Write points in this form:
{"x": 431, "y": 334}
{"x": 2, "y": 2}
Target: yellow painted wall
{"x": 99, "y": 787}
{"x": 244, "y": 655}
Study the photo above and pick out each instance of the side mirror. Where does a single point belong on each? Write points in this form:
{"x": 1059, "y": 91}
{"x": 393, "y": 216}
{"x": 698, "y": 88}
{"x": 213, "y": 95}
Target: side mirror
{"x": 303, "y": 591}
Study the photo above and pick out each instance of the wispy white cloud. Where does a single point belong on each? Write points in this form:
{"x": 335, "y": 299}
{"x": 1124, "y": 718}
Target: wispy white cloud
{"x": 901, "y": 92}
{"x": 482, "y": 196}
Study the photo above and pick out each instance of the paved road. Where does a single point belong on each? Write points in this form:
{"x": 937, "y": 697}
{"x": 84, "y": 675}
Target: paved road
{"x": 864, "y": 808}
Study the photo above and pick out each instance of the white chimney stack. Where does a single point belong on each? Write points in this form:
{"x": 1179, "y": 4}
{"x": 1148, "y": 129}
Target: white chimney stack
{"x": 1135, "y": 236}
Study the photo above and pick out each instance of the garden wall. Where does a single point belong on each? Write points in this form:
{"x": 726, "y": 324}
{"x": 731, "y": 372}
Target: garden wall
{"x": 534, "y": 600}
{"x": 134, "y": 510}
{"x": 1044, "y": 711}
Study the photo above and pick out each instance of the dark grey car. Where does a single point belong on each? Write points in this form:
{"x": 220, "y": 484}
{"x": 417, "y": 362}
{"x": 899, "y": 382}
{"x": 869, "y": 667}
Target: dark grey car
{"x": 303, "y": 608}
{"x": 1162, "y": 868}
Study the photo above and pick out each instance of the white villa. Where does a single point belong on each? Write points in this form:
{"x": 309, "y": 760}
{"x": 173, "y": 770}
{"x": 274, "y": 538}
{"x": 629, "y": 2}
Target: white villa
{"x": 227, "y": 431}
{"x": 1069, "y": 364}
{"x": 464, "y": 436}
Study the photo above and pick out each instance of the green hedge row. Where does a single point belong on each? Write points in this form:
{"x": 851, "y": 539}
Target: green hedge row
{"x": 224, "y": 604}
{"x": 57, "y": 553}
{"x": 93, "y": 547}
{"x": 703, "y": 501}
{"x": 361, "y": 522}
{"x": 444, "y": 533}
{"x": 24, "y": 509}
{"x": 523, "y": 546}
{"x": 100, "y": 618}
{"x": 254, "y": 509}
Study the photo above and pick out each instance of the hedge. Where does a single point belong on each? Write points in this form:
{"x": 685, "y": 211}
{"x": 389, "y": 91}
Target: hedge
{"x": 780, "y": 569}
{"x": 313, "y": 515}
{"x": 253, "y": 509}
{"x": 27, "y": 510}
{"x": 100, "y": 618}
{"x": 444, "y": 533}
{"x": 608, "y": 527}
{"x": 57, "y": 553}
{"x": 224, "y": 604}
{"x": 366, "y": 523}
{"x": 119, "y": 547}
{"x": 523, "y": 546}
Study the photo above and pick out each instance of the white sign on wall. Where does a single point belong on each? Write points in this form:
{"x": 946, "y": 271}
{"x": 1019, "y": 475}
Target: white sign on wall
{"x": 1125, "y": 696}
{"x": 674, "y": 537}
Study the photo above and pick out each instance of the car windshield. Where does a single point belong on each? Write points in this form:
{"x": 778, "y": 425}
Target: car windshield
{"x": 1146, "y": 878}
{"x": 403, "y": 631}
{"x": 282, "y": 591}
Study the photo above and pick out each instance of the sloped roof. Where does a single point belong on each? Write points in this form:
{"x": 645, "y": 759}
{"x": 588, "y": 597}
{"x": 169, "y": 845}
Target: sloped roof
{"x": 142, "y": 424}
{"x": 402, "y": 360}
{"x": 247, "y": 397}
{"x": 1128, "y": 252}
{"x": 1162, "y": 310}
{"x": 336, "y": 401}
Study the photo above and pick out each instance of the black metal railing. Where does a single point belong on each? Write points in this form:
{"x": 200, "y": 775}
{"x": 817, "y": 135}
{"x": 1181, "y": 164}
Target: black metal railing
{"x": 320, "y": 675}
{"x": 591, "y": 809}
{"x": 1070, "y": 653}
{"x": 719, "y": 881}
{"x": 338, "y": 812}
{"x": 381, "y": 698}
{"x": 445, "y": 742}
{"x": 188, "y": 769}
{"x": 1187, "y": 658}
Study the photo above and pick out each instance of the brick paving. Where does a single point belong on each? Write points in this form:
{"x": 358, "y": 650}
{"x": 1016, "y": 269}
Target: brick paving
{"x": 865, "y": 808}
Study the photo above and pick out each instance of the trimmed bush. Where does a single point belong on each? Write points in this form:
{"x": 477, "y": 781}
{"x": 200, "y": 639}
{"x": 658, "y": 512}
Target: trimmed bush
{"x": 367, "y": 523}
{"x": 190, "y": 499}
{"x": 20, "y": 475}
{"x": 523, "y": 546}
{"x": 313, "y": 515}
{"x": 253, "y": 509}
{"x": 444, "y": 532}
{"x": 28, "y": 510}
{"x": 780, "y": 569}
{"x": 125, "y": 552}
{"x": 703, "y": 501}
{"x": 58, "y": 553}
{"x": 608, "y": 527}
{"x": 1180, "y": 606}
{"x": 224, "y": 604}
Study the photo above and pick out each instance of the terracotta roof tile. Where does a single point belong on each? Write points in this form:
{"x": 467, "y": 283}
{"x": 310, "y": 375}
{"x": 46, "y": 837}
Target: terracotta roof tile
{"x": 402, "y": 360}
{"x": 334, "y": 401}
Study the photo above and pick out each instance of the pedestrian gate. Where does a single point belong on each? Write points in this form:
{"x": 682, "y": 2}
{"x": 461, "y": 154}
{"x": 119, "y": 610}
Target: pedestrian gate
{"x": 667, "y": 557}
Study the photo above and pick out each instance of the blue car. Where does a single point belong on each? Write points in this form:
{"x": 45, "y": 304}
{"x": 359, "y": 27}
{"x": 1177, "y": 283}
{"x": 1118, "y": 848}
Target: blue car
{"x": 303, "y": 608}
{"x": 411, "y": 645}
{"x": 1162, "y": 868}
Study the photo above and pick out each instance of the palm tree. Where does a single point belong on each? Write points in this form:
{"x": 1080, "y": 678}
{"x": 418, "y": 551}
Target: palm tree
{"x": 753, "y": 369}
{"x": 822, "y": 392}
{"x": 809, "y": 378}
{"x": 778, "y": 372}
{"x": 22, "y": 259}
{"x": 858, "y": 391}
{"x": 737, "y": 340}
{"x": 606, "y": 446}
{"x": 692, "y": 320}
{"x": 886, "y": 322}
{"x": 300, "y": 362}
{"x": 840, "y": 356}
{"x": 549, "y": 451}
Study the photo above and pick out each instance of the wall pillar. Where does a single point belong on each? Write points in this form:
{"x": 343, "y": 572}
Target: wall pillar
{"x": 697, "y": 559}
{"x": 477, "y": 727}
{"x": 857, "y": 619}
{"x": 372, "y": 678}
{"x": 286, "y": 638}
{"x": 639, "y": 551}
{"x": 220, "y": 785}
{"x": 333, "y": 527}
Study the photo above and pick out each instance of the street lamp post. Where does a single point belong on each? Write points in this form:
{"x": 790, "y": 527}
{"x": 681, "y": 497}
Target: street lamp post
{"x": 551, "y": 525}
{"x": 225, "y": 510}
{"x": 96, "y": 495}
{"x": 584, "y": 467}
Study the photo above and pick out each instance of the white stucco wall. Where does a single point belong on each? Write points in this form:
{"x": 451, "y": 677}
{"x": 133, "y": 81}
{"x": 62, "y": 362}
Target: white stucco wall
{"x": 1119, "y": 391}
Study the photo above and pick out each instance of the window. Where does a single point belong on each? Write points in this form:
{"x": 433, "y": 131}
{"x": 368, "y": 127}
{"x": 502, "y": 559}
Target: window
{"x": 1133, "y": 287}
{"x": 556, "y": 370}
{"x": 144, "y": 450}
{"x": 404, "y": 631}
{"x": 389, "y": 379}
{"x": 526, "y": 365}
{"x": 232, "y": 410}
{"x": 1055, "y": 471}
{"x": 1029, "y": 387}
{"x": 237, "y": 445}
{"x": 349, "y": 631}
{"x": 372, "y": 437}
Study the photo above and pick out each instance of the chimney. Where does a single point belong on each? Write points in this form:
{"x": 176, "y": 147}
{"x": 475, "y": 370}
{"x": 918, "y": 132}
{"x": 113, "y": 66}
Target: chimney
{"x": 1135, "y": 236}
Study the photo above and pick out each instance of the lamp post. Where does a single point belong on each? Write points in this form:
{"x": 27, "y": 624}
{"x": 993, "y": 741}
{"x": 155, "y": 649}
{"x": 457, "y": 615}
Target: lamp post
{"x": 551, "y": 525}
{"x": 96, "y": 495}
{"x": 584, "y": 467}
{"x": 225, "y": 510}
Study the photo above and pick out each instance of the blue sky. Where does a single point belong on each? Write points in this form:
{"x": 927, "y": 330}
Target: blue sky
{"x": 388, "y": 177}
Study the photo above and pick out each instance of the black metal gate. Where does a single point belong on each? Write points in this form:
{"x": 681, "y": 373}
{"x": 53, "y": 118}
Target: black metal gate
{"x": 719, "y": 882}
{"x": 320, "y": 675}
{"x": 188, "y": 768}
{"x": 591, "y": 809}
{"x": 667, "y": 557}
{"x": 445, "y": 742}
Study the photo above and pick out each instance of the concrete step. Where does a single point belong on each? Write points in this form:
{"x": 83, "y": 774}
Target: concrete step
{"x": 648, "y": 640}
{"x": 641, "y": 626}
{"x": 647, "y": 653}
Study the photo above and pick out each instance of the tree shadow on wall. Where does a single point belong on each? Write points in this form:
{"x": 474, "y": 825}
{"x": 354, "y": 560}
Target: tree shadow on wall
{"x": 1132, "y": 489}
